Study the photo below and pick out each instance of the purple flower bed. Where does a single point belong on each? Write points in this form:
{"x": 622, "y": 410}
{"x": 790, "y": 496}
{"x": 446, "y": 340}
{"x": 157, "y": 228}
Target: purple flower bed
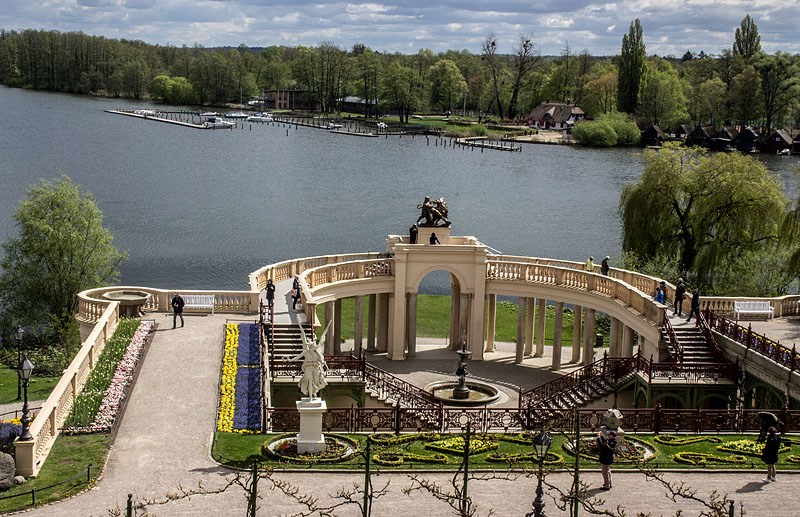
{"x": 247, "y": 405}
{"x": 248, "y": 350}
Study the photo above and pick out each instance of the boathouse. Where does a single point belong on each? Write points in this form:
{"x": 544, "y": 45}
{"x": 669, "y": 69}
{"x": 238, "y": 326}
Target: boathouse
{"x": 653, "y": 136}
{"x": 555, "y": 115}
{"x": 700, "y": 136}
{"x": 747, "y": 140}
{"x": 777, "y": 142}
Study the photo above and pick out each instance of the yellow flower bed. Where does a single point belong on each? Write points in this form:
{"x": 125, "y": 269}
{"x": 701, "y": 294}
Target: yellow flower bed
{"x": 227, "y": 387}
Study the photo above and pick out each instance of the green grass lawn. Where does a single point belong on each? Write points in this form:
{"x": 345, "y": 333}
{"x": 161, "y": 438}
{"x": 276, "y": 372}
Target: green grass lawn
{"x": 69, "y": 456}
{"x": 240, "y": 450}
{"x": 39, "y": 388}
{"x": 433, "y": 320}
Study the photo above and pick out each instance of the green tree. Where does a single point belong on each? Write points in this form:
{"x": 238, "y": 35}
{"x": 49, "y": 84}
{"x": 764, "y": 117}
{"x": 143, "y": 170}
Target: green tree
{"x": 600, "y": 90}
{"x": 780, "y": 86}
{"x": 632, "y": 69}
{"x": 663, "y": 101}
{"x": 744, "y": 96}
{"x": 160, "y": 87}
{"x": 181, "y": 91}
{"x": 705, "y": 210}
{"x": 708, "y": 104}
{"x": 746, "y": 41}
{"x": 61, "y": 249}
{"x": 608, "y": 130}
{"x": 447, "y": 84}
{"x": 398, "y": 87}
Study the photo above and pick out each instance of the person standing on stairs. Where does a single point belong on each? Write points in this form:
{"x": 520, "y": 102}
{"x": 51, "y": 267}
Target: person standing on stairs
{"x": 695, "y": 305}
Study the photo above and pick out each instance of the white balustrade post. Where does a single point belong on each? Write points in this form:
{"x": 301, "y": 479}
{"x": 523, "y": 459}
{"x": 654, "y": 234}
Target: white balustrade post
{"x": 576, "y": 334}
{"x": 558, "y": 327}
{"x": 541, "y": 321}
{"x": 529, "y": 326}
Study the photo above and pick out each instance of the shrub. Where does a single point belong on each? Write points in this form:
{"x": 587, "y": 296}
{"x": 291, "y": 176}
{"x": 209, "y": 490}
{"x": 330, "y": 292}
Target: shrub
{"x": 478, "y": 130}
{"x": 594, "y": 133}
{"x": 626, "y": 129}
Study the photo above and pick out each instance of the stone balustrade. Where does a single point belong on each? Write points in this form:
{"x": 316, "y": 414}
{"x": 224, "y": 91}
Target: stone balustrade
{"x": 783, "y": 305}
{"x": 30, "y": 455}
{"x": 289, "y": 268}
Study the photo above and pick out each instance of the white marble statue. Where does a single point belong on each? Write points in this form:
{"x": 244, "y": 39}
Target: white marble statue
{"x": 314, "y": 366}
{"x": 612, "y": 421}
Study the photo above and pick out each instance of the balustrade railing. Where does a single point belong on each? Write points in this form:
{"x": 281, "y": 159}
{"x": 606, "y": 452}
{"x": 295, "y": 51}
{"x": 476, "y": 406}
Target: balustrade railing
{"x": 782, "y": 305}
{"x": 787, "y": 357}
{"x": 674, "y": 345}
{"x": 483, "y": 420}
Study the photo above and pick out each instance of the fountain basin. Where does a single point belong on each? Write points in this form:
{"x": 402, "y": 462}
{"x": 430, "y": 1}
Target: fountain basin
{"x": 130, "y": 302}
{"x": 480, "y": 393}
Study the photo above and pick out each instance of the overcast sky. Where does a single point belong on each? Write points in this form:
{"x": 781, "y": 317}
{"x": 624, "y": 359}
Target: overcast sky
{"x": 670, "y": 26}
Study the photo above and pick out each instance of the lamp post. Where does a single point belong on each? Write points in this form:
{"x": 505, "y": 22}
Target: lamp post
{"x": 19, "y": 333}
{"x": 542, "y": 444}
{"x": 24, "y": 372}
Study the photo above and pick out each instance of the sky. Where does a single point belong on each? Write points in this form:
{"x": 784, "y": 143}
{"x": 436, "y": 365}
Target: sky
{"x": 670, "y": 27}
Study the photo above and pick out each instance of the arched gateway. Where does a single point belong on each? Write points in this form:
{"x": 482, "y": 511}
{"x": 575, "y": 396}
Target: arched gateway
{"x": 390, "y": 281}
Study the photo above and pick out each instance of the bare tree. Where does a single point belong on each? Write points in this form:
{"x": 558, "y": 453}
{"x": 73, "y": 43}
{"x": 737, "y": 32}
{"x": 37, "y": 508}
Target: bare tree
{"x": 491, "y": 58}
{"x": 526, "y": 58}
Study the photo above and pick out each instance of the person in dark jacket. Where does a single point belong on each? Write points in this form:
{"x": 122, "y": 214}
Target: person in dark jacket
{"x": 177, "y": 309}
{"x": 606, "y": 447}
{"x": 295, "y": 292}
{"x": 412, "y": 234}
{"x": 770, "y": 453}
{"x": 434, "y": 239}
{"x": 604, "y": 267}
{"x": 270, "y": 289}
{"x": 680, "y": 290}
{"x": 695, "y": 305}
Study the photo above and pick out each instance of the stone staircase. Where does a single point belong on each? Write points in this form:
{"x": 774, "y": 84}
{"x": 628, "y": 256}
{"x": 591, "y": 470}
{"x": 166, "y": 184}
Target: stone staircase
{"x": 288, "y": 342}
{"x": 695, "y": 349}
{"x": 586, "y": 392}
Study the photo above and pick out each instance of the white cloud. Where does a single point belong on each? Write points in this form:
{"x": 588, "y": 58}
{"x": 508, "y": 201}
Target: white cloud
{"x": 287, "y": 18}
{"x": 610, "y": 28}
{"x": 454, "y": 26}
{"x": 558, "y": 21}
{"x": 365, "y": 8}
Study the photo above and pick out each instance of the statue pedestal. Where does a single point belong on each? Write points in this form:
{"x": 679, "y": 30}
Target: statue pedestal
{"x": 310, "y": 438}
{"x": 442, "y": 233}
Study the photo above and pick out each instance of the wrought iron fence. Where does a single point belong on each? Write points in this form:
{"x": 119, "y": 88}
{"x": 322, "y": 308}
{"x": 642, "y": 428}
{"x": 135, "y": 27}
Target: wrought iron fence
{"x": 787, "y": 357}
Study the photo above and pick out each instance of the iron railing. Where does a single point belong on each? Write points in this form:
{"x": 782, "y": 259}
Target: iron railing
{"x": 786, "y": 357}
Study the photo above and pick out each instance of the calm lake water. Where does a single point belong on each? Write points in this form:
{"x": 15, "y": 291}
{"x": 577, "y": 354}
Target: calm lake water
{"x": 202, "y": 209}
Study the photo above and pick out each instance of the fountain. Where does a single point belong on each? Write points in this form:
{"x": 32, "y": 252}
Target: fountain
{"x": 463, "y": 392}
{"x": 131, "y": 303}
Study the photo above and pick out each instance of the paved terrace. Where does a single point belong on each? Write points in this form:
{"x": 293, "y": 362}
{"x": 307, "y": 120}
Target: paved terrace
{"x": 165, "y": 437}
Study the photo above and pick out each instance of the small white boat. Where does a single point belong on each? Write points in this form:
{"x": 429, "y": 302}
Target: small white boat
{"x": 784, "y": 152}
{"x": 382, "y": 125}
{"x": 236, "y": 114}
{"x": 217, "y": 123}
{"x": 208, "y": 114}
{"x": 145, "y": 112}
{"x": 333, "y": 125}
{"x": 260, "y": 117}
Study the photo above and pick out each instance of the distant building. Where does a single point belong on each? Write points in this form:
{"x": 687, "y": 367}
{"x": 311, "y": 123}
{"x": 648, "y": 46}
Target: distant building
{"x": 555, "y": 115}
{"x": 747, "y": 140}
{"x": 776, "y": 142}
{"x": 293, "y": 100}
{"x": 682, "y": 132}
{"x": 653, "y": 136}
{"x": 357, "y": 105}
{"x": 723, "y": 140}
{"x": 700, "y": 137}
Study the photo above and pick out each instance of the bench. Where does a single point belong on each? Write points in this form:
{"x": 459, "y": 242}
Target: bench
{"x": 198, "y": 301}
{"x": 752, "y": 308}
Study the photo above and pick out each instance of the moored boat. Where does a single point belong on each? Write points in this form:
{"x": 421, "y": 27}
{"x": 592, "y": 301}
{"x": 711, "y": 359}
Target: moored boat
{"x": 217, "y": 123}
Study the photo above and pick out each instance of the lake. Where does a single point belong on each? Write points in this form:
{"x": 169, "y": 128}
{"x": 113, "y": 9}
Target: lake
{"x": 201, "y": 209}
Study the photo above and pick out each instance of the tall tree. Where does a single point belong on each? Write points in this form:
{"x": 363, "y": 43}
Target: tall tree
{"x": 663, "y": 101}
{"x": 492, "y": 60}
{"x": 746, "y": 41}
{"x": 61, "y": 249}
{"x": 700, "y": 209}
{"x": 632, "y": 69}
{"x": 526, "y": 58}
{"x": 780, "y": 85}
{"x": 397, "y": 87}
{"x": 447, "y": 84}
{"x": 744, "y": 94}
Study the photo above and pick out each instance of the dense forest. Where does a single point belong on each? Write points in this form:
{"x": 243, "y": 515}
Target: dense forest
{"x": 740, "y": 86}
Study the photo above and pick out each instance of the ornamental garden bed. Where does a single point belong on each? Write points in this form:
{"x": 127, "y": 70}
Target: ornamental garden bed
{"x": 498, "y": 451}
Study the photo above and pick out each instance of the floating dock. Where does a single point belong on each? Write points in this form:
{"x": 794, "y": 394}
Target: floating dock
{"x": 156, "y": 118}
{"x": 352, "y": 133}
{"x": 482, "y": 144}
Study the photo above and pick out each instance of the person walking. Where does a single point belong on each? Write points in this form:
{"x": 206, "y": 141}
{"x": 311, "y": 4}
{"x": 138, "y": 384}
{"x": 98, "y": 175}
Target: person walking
{"x": 659, "y": 297}
{"x": 604, "y": 267}
{"x": 177, "y": 309}
{"x": 412, "y": 234}
{"x": 695, "y": 305}
{"x": 680, "y": 290}
{"x": 434, "y": 239}
{"x": 295, "y": 292}
{"x": 590, "y": 265}
{"x": 270, "y": 293}
{"x": 770, "y": 453}
{"x": 606, "y": 447}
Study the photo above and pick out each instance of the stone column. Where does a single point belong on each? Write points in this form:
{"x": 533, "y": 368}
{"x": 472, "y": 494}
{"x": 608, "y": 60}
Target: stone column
{"x": 492, "y": 317}
{"x": 383, "y": 322}
{"x": 521, "y": 305}
{"x": 358, "y": 325}
{"x": 613, "y": 340}
{"x": 463, "y": 319}
{"x": 558, "y": 326}
{"x": 540, "y": 324}
{"x": 576, "y": 335}
{"x": 411, "y": 328}
{"x": 529, "y": 326}
{"x": 371, "y": 323}
{"x": 588, "y": 338}
{"x": 328, "y": 319}
{"x": 627, "y": 342}
{"x": 455, "y": 311}
{"x": 337, "y": 327}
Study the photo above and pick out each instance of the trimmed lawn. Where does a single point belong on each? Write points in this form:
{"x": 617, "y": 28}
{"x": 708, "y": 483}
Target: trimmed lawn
{"x": 39, "y": 388}
{"x": 240, "y": 450}
{"x": 69, "y": 456}
{"x": 433, "y": 320}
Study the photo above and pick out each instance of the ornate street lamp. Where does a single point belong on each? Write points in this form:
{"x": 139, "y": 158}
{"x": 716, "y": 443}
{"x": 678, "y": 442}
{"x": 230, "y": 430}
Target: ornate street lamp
{"x": 24, "y": 372}
{"x": 19, "y": 333}
{"x": 542, "y": 444}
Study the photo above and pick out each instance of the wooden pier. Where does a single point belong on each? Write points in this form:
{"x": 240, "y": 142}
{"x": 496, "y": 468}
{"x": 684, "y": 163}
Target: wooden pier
{"x": 482, "y": 144}
{"x": 343, "y": 132}
{"x": 156, "y": 118}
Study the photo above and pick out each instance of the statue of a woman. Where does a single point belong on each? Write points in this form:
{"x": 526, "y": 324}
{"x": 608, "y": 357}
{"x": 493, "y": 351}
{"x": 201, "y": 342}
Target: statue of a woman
{"x": 313, "y": 367}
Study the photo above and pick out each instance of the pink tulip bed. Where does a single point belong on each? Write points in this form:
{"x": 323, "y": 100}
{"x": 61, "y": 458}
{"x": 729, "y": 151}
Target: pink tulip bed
{"x": 96, "y": 408}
